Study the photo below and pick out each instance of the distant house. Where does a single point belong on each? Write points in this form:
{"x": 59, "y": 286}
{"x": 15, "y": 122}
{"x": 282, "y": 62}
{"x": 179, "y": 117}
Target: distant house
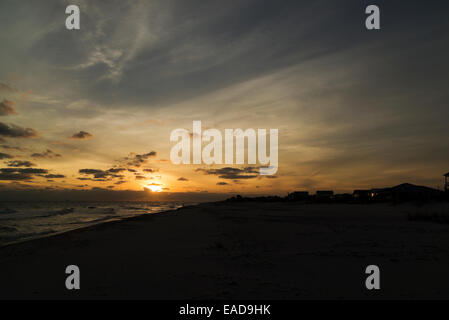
{"x": 362, "y": 195}
{"x": 324, "y": 195}
{"x": 446, "y": 182}
{"x": 405, "y": 192}
{"x": 298, "y": 196}
{"x": 343, "y": 198}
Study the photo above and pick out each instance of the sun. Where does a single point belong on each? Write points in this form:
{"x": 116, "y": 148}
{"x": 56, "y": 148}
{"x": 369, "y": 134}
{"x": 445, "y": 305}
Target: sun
{"x": 155, "y": 188}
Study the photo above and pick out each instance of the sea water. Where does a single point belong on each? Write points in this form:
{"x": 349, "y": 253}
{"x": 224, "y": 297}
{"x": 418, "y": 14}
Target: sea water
{"x": 29, "y": 220}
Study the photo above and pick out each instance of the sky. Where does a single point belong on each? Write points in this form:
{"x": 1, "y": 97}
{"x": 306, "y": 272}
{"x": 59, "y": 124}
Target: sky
{"x": 93, "y": 109}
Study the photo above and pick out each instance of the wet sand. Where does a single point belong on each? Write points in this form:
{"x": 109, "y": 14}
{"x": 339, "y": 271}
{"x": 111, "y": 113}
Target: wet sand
{"x": 238, "y": 251}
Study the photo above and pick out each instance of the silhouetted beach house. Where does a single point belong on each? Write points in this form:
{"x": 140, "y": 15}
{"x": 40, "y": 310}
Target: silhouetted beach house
{"x": 343, "y": 198}
{"x": 362, "y": 195}
{"x": 298, "y": 196}
{"x": 324, "y": 195}
{"x": 405, "y": 192}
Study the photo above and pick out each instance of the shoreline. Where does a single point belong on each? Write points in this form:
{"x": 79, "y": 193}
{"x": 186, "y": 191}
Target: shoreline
{"x": 112, "y": 220}
{"x": 93, "y": 224}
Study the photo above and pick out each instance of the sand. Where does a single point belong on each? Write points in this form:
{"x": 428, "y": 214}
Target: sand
{"x": 238, "y": 251}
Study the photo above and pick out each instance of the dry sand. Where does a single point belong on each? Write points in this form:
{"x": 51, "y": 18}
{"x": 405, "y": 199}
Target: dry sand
{"x": 239, "y": 251}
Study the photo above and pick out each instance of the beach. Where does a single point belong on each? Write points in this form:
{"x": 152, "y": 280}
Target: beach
{"x": 238, "y": 250}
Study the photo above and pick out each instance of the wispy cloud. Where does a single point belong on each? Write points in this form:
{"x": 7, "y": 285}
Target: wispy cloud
{"x": 4, "y": 88}
{"x": 7, "y": 108}
{"x": 48, "y": 154}
{"x": 5, "y": 156}
{"x": 19, "y": 163}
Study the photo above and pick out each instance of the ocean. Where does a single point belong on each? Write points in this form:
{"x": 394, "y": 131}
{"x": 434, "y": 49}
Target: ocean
{"x": 30, "y": 220}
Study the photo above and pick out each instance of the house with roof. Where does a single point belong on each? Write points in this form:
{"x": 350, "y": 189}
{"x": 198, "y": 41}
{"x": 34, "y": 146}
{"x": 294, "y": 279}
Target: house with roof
{"x": 362, "y": 195}
{"x": 324, "y": 195}
{"x": 406, "y": 192}
{"x": 298, "y": 196}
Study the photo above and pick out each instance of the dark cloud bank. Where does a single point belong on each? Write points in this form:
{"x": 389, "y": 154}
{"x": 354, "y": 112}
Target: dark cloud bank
{"x": 229, "y": 173}
{"x": 20, "y": 174}
{"x": 14, "y": 131}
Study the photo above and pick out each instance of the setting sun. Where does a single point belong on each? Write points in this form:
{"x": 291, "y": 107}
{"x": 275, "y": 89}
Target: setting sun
{"x": 154, "y": 188}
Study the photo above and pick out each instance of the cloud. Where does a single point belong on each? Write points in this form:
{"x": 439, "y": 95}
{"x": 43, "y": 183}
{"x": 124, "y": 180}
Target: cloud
{"x": 46, "y": 154}
{"x": 5, "y": 156}
{"x": 101, "y": 175}
{"x": 12, "y": 147}
{"x": 99, "y": 189}
{"x": 183, "y": 179}
{"x": 6, "y": 176}
{"x": 82, "y": 135}
{"x": 91, "y": 171}
{"x": 7, "y": 108}
{"x": 229, "y": 173}
{"x": 139, "y": 177}
{"x": 116, "y": 170}
{"x": 54, "y": 176}
{"x": 6, "y": 89}
{"x": 16, "y": 174}
{"x": 137, "y": 160}
{"x": 146, "y": 155}
{"x": 13, "y": 131}
{"x": 85, "y": 179}
{"x": 222, "y": 184}
{"x": 19, "y": 163}
{"x": 32, "y": 171}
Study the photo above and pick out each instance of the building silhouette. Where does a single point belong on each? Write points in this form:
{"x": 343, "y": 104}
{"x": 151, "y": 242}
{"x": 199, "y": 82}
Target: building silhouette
{"x": 405, "y": 192}
{"x": 298, "y": 196}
